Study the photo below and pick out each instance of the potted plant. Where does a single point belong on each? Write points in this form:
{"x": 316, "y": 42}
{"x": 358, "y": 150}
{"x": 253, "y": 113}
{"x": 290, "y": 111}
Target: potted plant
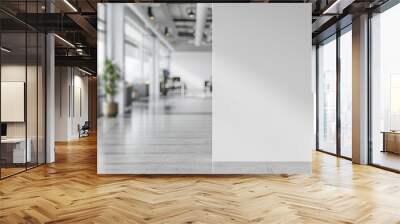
{"x": 110, "y": 83}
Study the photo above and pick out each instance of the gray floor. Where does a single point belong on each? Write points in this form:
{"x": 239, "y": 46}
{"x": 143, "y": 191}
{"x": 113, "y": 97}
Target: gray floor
{"x": 168, "y": 136}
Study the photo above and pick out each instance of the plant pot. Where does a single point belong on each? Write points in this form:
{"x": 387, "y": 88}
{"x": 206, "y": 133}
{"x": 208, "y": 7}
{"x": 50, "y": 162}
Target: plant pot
{"x": 110, "y": 109}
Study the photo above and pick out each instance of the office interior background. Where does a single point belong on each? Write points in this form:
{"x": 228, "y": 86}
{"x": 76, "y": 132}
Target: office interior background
{"x": 163, "y": 124}
{"x": 28, "y": 57}
{"x": 52, "y": 95}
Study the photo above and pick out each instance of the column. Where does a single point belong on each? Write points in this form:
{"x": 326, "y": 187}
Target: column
{"x": 360, "y": 90}
{"x": 115, "y": 47}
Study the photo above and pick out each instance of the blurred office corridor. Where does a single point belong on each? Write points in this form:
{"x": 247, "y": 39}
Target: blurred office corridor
{"x": 168, "y": 135}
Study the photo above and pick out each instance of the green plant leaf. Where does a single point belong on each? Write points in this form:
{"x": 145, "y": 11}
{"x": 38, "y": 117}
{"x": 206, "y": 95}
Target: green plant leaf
{"x": 110, "y": 76}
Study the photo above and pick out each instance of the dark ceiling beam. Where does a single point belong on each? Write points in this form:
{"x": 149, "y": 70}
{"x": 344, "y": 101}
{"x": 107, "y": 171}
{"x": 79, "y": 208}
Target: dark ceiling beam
{"x": 89, "y": 14}
{"x": 11, "y": 25}
{"x": 49, "y": 22}
{"x": 91, "y": 5}
{"x": 85, "y": 25}
{"x": 337, "y": 7}
{"x": 186, "y": 34}
{"x": 88, "y": 50}
{"x": 286, "y": 1}
{"x": 332, "y": 29}
{"x": 78, "y": 61}
{"x": 170, "y": 1}
{"x": 322, "y": 22}
{"x": 190, "y": 20}
{"x": 186, "y": 26}
{"x": 85, "y": 18}
{"x": 7, "y": 14}
{"x": 60, "y": 22}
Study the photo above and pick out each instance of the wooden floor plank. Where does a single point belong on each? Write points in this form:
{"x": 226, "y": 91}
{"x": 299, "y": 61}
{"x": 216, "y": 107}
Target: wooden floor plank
{"x": 70, "y": 191}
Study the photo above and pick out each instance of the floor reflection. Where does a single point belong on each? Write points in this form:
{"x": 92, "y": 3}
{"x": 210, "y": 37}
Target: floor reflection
{"x": 170, "y": 135}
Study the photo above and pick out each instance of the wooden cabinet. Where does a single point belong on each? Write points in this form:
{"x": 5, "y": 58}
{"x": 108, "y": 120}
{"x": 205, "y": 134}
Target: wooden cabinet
{"x": 391, "y": 142}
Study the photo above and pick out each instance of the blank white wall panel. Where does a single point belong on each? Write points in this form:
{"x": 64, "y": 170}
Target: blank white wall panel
{"x": 262, "y": 99}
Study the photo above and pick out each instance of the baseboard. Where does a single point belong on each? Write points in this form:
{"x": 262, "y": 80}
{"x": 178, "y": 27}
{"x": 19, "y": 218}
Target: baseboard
{"x": 215, "y": 168}
{"x": 262, "y": 168}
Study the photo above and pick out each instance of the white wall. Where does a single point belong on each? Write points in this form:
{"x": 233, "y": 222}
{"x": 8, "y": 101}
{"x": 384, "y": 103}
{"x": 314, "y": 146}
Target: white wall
{"x": 262, "y": 99}
{"x": 79, "y": 117}
{"x": 61, "y": 103}
{"x": 193, "y": 67}
{"x": 66, "y": 90}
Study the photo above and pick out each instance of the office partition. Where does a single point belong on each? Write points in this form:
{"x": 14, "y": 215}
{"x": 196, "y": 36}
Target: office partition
{"x": 22, "y": 77}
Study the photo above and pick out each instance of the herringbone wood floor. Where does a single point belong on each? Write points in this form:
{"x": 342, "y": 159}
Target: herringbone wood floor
{"x": 70, "y": 191}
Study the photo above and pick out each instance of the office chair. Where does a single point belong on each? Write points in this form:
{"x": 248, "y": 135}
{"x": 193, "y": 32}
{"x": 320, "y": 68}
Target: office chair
{"x": 84, "y": 130}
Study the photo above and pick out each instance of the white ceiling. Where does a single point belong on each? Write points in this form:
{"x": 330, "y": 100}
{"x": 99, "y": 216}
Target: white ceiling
{"x": 181, "y": 26}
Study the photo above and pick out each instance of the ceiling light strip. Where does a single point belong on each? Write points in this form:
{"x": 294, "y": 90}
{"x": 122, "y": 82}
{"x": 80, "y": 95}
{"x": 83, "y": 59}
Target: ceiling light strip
{"x": 71, "y": 6}
{"x": 5, "y": 50}
{"x": 331, "y": 6}
{"x": 64, "y": 40}
{"x": 84, "y": 71}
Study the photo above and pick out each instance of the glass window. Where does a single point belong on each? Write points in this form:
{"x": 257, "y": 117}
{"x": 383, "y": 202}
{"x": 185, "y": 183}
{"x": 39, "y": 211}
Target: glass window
{"x": 101, "y": 36}
{"x": 133, "y": 53}
{"x": 148, "y": 66}
{"x": 22, "y": 92}
{"x": 327, "y": 96}
{"x": 32, "y": 97}
{"x": 15, "y": 150}
{"x": 346, "y": 94}
{"x": 41, "y": 85}
{"x": 101, "y": 50}
{"x": 385, "y": 87}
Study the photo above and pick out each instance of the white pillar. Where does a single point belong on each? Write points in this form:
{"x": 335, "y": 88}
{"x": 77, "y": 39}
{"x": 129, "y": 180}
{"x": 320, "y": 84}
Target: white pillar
{"x": 115, "y": 47}
{"x": 50, "y": 99}
{"x": 360, "y": 90}
{"x": 156, "y": 69}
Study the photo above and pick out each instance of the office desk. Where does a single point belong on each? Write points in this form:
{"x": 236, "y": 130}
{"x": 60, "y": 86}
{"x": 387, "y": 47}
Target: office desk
{"x": 13, "y": 150}
{"x": 391, "y": 142}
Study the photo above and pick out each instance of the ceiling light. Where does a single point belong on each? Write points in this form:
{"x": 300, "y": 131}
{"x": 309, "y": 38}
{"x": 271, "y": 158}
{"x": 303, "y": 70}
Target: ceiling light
{"x": 71, "y": 6}
{"x": 64, "y": 40}
{"x": 335, "y": 4}
{"x": 150, "y": 13}
{"x": 84, "y": 71}
{"x": 5, "y": 50}
{"x": 191, "y": 13}
{"x": 79, "y": 51}
{"x": 166, "y": 32}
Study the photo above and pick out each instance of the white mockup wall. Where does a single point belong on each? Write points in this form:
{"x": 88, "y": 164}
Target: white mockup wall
{"x": 262, "y": 99}
{"x": 193, "y": 67}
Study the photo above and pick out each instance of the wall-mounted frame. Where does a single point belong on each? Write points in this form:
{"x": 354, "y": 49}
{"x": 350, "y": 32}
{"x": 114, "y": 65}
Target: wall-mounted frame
{"x": 12, "y": 98}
